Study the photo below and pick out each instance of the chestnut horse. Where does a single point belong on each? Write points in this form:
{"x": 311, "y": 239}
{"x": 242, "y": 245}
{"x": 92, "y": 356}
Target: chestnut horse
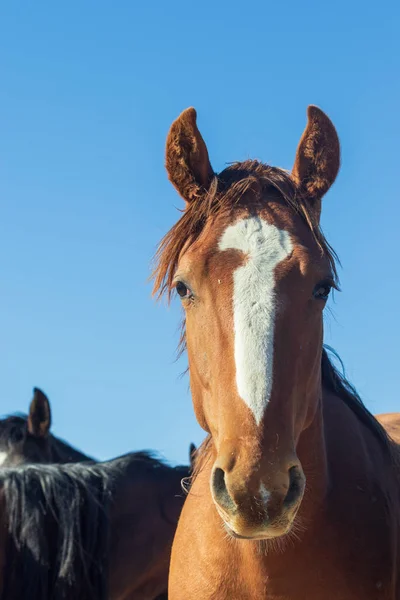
{"x": 296, "y": 491}
{"x": 391, "y": 422}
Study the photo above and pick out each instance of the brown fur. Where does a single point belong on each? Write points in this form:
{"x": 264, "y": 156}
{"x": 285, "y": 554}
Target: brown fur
{"x": 391, "y": 422}
{"x": 39, "y": 419}
{"x": 226, "y": 193}
{"x": 318, "y": 157}
{"x": 187, "y": 157}
{"x": 341, "y": 540}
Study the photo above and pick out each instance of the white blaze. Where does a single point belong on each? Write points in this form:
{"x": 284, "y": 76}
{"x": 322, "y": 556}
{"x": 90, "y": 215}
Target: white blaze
{"x": 265, "y": 246}
{"x": 264, "y": 494}
{"x": 3, "y": 457}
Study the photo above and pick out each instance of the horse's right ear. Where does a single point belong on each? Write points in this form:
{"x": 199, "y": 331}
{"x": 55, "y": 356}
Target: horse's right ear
{"x": 317, "y": 159}
{"x": 39, "y": 419}
{"x": 186, "y": 159}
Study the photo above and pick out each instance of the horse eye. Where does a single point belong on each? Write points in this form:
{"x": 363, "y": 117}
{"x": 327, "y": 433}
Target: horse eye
{"x": 16, "y": 435}
{"x": 182, "y": 290}
{"x": 322, "y": 290}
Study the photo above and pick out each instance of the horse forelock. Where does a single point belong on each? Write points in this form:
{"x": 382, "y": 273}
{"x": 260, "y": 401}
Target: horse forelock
{"x": 229, "y": 190}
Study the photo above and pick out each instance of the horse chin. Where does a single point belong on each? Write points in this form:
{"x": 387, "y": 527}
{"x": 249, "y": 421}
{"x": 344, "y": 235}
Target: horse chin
{"x": 269, "y": 533}
{"x": 260, "y": 532}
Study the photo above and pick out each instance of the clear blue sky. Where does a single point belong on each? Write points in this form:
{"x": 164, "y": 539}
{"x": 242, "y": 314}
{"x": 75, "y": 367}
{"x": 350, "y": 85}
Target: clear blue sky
{"x": 87, "y": 93}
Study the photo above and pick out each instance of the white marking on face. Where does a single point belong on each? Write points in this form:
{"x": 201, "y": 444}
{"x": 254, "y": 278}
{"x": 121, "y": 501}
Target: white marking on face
{"x": 3, "y": 457}
{"x": 254, "y": 305}
{"x": 264, "y": 494}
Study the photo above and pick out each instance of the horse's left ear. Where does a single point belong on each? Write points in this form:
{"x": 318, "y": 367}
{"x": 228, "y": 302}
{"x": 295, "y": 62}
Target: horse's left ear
{"x": 318, "y": 157}
{"x": 186, "y": 157}
{"x": 39, "y": 419}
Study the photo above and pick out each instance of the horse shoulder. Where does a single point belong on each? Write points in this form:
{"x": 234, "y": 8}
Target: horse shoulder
{"x": 391, "y": 422}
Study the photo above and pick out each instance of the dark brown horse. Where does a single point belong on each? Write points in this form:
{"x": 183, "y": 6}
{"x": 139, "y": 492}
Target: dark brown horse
{"x": 139, "y": 552}
{"x": 28, "y": 439}
{"x": 98, "y": 531}
{"x": 296, "y": 493}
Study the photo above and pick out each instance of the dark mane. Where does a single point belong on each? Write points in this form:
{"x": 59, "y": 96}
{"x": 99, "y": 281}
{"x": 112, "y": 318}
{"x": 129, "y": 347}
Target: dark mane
{"x": 58, "y": 526}
{"x": 227, "y": 191}
{"x": 57, "y": 532}
{"x": 336, "y": 382}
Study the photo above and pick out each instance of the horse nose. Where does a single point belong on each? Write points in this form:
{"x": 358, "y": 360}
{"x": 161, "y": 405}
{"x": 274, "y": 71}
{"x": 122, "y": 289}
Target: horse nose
{"x": 220, "y": 490}
{"x": 233, "y": 493}
{"x": 296, "y": 487}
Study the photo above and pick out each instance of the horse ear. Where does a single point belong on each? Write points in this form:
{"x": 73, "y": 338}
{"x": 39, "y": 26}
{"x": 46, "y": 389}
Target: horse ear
{"x": 186, "y": 158}
{"x": 318, "y": 157}
{"x": 39, "y": 419}
{"x": 192, "y": 454}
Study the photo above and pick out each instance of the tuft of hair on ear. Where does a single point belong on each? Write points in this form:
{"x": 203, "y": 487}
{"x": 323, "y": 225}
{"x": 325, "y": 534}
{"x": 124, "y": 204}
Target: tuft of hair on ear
{"x": 39, "y": 418}
{"x": 186, "y": 157}
{"x": 317, "y": 159}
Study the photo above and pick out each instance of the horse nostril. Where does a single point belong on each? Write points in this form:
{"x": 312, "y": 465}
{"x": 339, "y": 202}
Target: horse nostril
{"x": 296, "y": 487}
{"x": 219, "y": 480}
{"x": 220, "y": 490}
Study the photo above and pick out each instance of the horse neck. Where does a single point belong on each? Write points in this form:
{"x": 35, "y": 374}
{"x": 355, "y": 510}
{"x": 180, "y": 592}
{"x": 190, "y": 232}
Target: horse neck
{"x": 334, "y": 448}
{"x": 64, "y": 453}
{"x": 312, "y": 452}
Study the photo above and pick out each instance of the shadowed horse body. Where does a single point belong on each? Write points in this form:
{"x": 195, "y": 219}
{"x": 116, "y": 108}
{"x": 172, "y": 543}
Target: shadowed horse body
{"x": 141, "y": 535}
{"x": 85, "y": 531}
{"x": 296, "y": 490}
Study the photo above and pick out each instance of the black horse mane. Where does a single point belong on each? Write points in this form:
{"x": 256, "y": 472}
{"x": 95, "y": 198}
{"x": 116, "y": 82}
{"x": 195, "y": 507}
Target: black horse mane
{"x": 58, "y": 519}
{"x": 336, "y": 382}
